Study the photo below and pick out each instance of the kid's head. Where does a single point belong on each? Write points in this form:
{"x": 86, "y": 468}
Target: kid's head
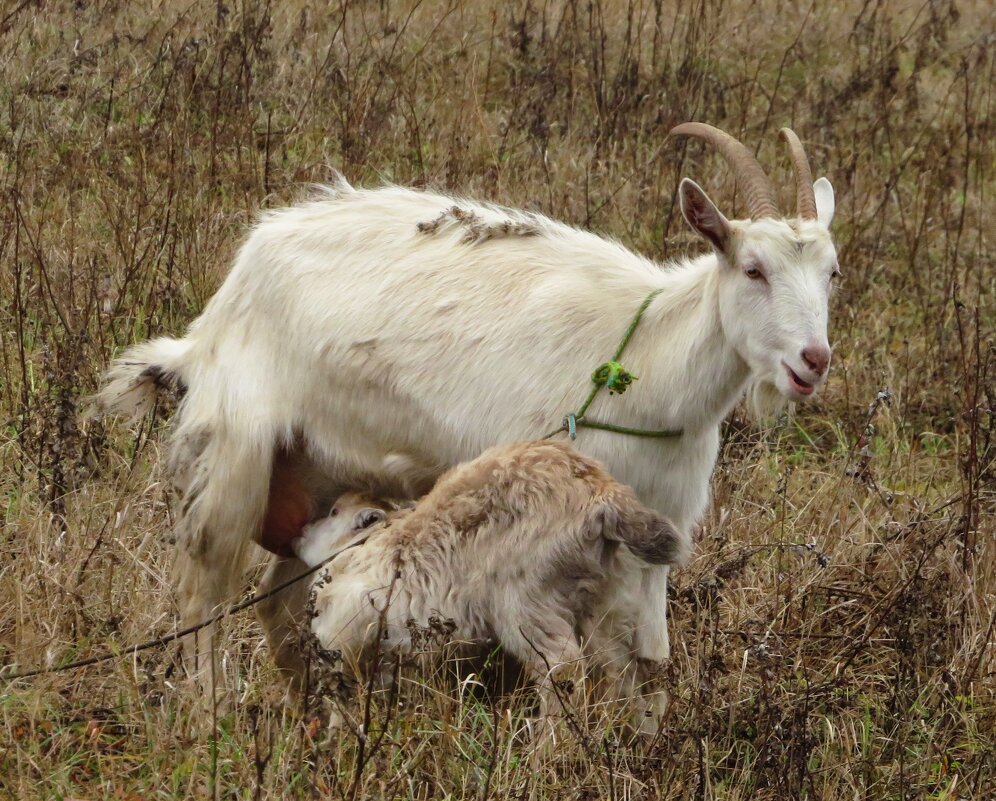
{"x": 352, "y": 512}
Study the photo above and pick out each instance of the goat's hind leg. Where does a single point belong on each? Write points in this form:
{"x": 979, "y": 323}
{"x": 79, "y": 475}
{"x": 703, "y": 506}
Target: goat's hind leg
{"x": 285, "y": 622}
{"x": 224, "y": 490}
{"x": 207, "y": 579}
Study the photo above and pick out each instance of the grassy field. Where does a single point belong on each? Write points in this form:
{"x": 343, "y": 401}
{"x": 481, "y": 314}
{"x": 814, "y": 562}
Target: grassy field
{"x": 835, "y": 635}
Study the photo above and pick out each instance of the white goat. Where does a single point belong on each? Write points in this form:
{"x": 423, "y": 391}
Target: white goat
{"x": 372, "y": 338}
{"x": 531, "y": 545}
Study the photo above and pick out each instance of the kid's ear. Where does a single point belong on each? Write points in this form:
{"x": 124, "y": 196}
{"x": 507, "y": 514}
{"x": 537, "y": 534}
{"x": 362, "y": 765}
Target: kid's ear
{"x": 701, "y": 213}
{"x": 824, "y": 202}
{"x": 368, "y": 517}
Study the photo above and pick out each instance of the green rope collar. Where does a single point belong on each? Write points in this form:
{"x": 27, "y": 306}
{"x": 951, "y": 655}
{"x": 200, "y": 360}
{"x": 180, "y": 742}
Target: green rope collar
{"x": 617, "y": 379}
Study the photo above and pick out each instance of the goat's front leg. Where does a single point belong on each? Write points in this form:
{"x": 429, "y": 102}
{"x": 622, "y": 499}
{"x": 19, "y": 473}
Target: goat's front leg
{"x": 615, "y": 668}
{"x": 651, "y": 639}
{"x": 341, "y": 689}
{"x": 651, "y": 698}
{"x": 652, "y": 649}
{"x": 347, "y": 651}
{"x": 550, "y": 653}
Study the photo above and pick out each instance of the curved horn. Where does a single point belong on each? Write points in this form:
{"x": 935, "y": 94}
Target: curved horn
{"x": 805, "y": 196}
{"x": 760, "y": 193}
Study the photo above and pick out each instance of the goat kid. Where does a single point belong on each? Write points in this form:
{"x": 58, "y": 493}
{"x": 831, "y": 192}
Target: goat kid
{"x": 532, "y": 546}
{"x": 371, "y": 338}
{"x": 283, "y": 615}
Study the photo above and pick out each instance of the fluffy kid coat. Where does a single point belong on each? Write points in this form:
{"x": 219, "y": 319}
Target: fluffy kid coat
{"x": 531, "y": 545}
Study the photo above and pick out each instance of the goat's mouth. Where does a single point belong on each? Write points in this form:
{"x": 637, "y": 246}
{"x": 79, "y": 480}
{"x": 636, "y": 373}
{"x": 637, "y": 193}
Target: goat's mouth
{"x": 799, "y": 386}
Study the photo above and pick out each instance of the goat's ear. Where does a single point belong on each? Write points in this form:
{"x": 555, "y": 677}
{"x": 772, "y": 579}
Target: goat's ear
{"x": 701, "y": 213}
{"x": 824, "y": 202}
{"x": 368, "y": 517}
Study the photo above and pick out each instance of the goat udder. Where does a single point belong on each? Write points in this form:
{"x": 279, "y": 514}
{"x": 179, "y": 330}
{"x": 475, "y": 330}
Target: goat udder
{"x": 289, "y": 509}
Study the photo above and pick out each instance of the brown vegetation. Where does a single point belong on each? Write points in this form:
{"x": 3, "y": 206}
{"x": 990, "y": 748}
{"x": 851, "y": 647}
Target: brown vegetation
{"x": 834, "y": 635}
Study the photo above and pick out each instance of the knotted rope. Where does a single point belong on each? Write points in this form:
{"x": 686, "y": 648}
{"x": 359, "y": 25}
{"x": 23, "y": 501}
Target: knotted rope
{"x": 613, "y": 375}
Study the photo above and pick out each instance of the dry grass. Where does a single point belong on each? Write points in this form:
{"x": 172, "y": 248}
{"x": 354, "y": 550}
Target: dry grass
{"x": 835, "y": 633}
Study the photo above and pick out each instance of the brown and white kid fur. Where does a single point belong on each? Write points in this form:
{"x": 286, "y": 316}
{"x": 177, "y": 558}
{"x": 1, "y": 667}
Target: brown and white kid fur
{"x": 531, "y": 545}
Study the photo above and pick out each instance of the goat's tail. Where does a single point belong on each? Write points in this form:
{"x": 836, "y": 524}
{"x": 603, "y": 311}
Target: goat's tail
{"x": 650, "y": 536}
{"x": 131, "y": 384}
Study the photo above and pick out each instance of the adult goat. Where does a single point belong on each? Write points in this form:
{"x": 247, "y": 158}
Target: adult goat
{"x": 372, "y": 338}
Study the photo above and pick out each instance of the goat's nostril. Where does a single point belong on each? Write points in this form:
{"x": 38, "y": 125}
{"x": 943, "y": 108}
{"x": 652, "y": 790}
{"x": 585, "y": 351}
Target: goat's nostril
{"x": 817, "y": 358}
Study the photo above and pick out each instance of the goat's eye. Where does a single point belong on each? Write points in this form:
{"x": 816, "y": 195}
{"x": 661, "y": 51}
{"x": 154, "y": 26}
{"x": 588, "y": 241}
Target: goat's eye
{"x": 334, "y": 512}
{"x": 835, "y": 274}
{"x": 753, "y": 272}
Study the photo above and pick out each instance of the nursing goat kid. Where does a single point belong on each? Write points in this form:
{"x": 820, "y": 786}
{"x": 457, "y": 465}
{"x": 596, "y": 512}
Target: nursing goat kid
{"x": 373, "y": 338}
{"x": 531, "y": 546}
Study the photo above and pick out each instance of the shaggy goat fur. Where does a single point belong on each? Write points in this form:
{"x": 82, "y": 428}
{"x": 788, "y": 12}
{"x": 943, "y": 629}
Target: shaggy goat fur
{"x": 531, "y": 545}
{"x": 372, "y": 338}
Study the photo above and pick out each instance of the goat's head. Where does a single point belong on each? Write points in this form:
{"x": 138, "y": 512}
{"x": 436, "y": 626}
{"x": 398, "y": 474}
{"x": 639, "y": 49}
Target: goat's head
{"x": 776, "y": 272}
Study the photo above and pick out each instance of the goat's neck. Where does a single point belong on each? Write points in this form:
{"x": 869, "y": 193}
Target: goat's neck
{"x": 692, "y": 375}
